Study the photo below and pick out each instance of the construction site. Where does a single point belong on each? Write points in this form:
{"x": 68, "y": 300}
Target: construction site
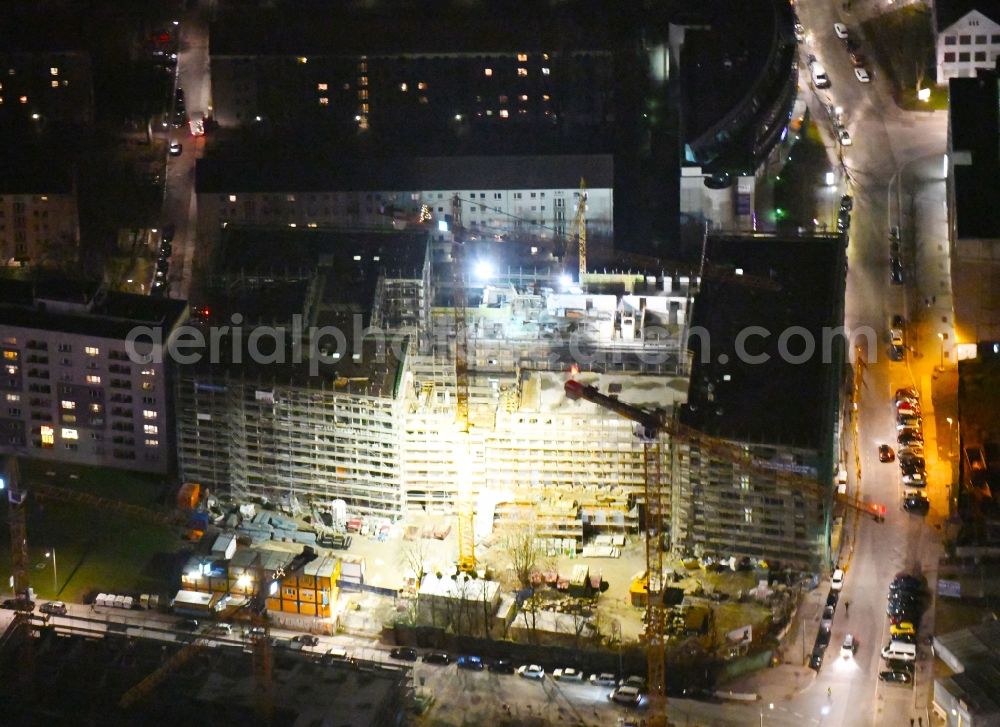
{"x": 490, "y": 447}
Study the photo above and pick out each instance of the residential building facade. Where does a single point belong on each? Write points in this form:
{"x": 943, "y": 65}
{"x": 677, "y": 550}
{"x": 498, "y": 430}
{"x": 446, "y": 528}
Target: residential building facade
{"x": 968, "y": 37}
{"x": 74, "y": 387}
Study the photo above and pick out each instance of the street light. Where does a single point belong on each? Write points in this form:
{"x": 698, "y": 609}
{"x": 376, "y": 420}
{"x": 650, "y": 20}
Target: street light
{"x": 55, "y": 571}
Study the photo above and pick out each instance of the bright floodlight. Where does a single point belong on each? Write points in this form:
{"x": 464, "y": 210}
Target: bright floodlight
{"x": 924, "y": 94}
{"x": 565, "y": 280}
{"x": 484, "y": 270}
{"x": 442, "y": 225}
{"x": 829, "y": 179}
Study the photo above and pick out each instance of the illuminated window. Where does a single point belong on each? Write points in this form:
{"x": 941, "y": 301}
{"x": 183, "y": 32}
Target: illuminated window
{"x": 12, "y": 370}
{"x": 403, "y": 87}
{"x": 232, "y": 198}
{"x": 54, "y": 71}
{"x": 321, "y": 87}
{"x": 522, "y": 71}
{"x": 324, "y": 101}
{"x": 148, "y": 385}
{"x": 487, "y": 71}
{"x": 54, "y": 84}
{"x": 148, "y": 372}
{"x": 545, "y": 56}
{"x": 152, "y": 442}
{"x": 545, "y": 71}
{"x": 546, "y": 97}
{"x": 363, "y": 81}
{"x": 10, "y": 355}
{"x": 421, "y": 86}
{"x": 148, "y": 414}
{"x": 289, "y": 197}
{"x": 524, "y": 97}
{"x": 364, "y": 108}
{"x": 95, "y": 408}
{"x": 67, "y": 404}
{"x": 91, "y": 351}
{"x": 363, "y": 94}
{"x": 48, "y": 436}
{"x": 23, "y": 99}
{"x": 150, "y": 429}
{"x": 93, "y": 379}
{"x": 69, "y": 434}
{"x": 302, "y": 59}
{"x": 522, "y": 57}
{"x": 504, "y": 114}
{"x": 13, "y": 397}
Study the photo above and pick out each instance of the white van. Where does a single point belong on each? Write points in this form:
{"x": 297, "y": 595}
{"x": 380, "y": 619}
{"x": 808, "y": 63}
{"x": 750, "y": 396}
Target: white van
{"x": 900, "y": 650}
{"x": 819, "y": 77}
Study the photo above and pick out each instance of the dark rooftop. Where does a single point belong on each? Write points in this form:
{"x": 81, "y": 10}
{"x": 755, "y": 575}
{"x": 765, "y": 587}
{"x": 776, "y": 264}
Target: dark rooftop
{"x": 974, "y": 121}
{"x": 28, "y": 170}
{"x": 84, "y": 309}
{"x": 772, "y": 402}
{"x": 948, "y": 12}
{"x": 445, "y": 29}
{"x": 404, "y": 175}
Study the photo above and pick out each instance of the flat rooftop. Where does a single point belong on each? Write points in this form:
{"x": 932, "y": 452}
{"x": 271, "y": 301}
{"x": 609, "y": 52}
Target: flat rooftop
{"x": 445, "y": 29}
{"x": 216, "y": 175}
{"x": 780, "y": 400}
{"x": 68, "y": 306}
{"x": 974, "y": 123}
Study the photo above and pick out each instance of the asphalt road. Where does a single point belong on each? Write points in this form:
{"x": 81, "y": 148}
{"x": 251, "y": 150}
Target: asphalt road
{"x": 180, "y": 202}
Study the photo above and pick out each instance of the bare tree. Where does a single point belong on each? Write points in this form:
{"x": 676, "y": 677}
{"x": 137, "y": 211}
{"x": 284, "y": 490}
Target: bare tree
{"x": 518, "y": 542}
{"x": 413, "y": 557}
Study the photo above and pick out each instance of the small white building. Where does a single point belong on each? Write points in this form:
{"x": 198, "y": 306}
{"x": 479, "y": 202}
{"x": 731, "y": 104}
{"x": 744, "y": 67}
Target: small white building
{"x": 461, "y": 603}
{"x": 224, "y": 546}
{"x": 968, "y": 37}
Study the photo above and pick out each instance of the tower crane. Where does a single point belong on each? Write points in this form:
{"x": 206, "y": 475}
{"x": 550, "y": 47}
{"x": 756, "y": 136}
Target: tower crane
{"x": 581, "y": 230}
{"x": 651, "y": 424}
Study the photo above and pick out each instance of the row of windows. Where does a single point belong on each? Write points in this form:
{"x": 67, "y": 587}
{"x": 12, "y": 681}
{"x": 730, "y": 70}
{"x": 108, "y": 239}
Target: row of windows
{"x": 964, "y": 57}
{"x": 967, "y": 39}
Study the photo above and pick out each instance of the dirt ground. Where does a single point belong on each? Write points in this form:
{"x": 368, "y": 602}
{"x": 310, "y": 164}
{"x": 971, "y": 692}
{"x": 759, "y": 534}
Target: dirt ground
{"x": 387, "y": 564}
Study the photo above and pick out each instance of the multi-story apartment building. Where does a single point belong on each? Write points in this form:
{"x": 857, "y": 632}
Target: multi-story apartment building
{"x": 39, "y": 221}
{"x": 776, "y": 393}
{"x": 974, "y": 230}
{"x": 71, "y": 390}
{"x": 345, "y": 69}
{"x": 528, "y": 198}
{"x": 967, "y": 37}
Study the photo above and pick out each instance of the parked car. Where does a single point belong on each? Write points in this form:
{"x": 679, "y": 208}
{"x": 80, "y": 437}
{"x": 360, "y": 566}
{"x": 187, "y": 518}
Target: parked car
{"x": 816, "y": 660}
{"x": 845, "y": 137}
{"x": 404, "y": 652}
{"x": 255, "y": 632}
{"x": 531, "y": 671}
{"x": 896, "y": 271}
{"x": 895, "y": 677}
{"x": 826, "y": 622}
{"x": 917, "y": 479}
{"x": 906, "y": 393}
{"x": 633, "y": 681}
{"x": 885, "y": 453}
{"x": 847, "y": 202}
{"x": 188, "y": 624}
{"x": 54, "y": 608}
{"x": 908, "y": 436}
{"x": 603, "y": 680}
{"x": 840, "y": 30}
{"x": 915, "y": 502}
{"x": 912, "y": 460}
{"x": 568, "y": 675}
{"x": 472, "y": 663}
{"x": 832, "y": 597}
{"x": 906, "y": 582}
{"x": 911, "y": 468}
{"x": 904, "y": 627}
{"x": 628, "y": 696}
{"x": 862, "y": 74}
{"x": 502, "y": 666}
{"x": 175, "y": 149}
{"x": 837, "y": 580}
{"x": 222, "y": 629}
{"x": 858, "y": 60}
{"x": 907, "y": 422}
{"x": 306, "y": 640}
{"x": 436, "y": 657}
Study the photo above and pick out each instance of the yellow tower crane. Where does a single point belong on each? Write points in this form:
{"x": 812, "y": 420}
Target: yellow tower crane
{"x": 651, "y": 425}
{"x": 581, "y": 230}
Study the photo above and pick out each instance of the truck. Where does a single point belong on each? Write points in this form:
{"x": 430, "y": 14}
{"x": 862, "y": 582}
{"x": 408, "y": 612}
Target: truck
{"x": 197, "y": 123}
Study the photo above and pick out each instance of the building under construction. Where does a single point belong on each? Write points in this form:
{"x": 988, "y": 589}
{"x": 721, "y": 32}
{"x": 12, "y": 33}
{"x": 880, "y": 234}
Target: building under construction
{"x": 376, "y": 423}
